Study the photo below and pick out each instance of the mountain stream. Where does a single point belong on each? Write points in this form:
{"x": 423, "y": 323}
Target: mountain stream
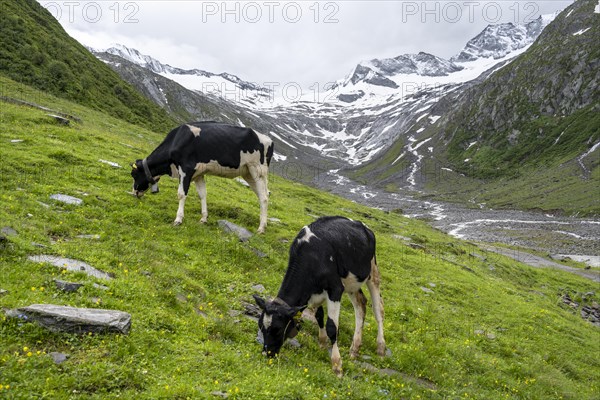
{"x": 558, "y": 236}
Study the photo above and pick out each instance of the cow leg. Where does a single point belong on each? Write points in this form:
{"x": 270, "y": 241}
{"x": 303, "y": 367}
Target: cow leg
{"x": 360, "y": 307}
{"x": 201, "y": 189}
{"x": 373, "y": 285}
{"x": 182, "y": 191}
{"x": 333, "y": 317}
{"x": 319, "y": 314}
{"x": 257, "y": 179}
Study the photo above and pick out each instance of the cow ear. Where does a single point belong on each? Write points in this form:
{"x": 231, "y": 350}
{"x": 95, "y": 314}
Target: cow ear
{"x": 260, "y": 301}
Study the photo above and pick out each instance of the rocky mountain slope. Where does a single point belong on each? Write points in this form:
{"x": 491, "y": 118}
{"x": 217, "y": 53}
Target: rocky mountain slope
{"x": 397, "y": 121}
{"x": 349, "y": 124}
{"x": 194, "y": 79}
{"x": 537, "y": 115}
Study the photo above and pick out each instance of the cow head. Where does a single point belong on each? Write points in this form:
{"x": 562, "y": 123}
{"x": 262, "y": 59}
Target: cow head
{"x": 277, "y": 322}
{"x": 141, "y": 181}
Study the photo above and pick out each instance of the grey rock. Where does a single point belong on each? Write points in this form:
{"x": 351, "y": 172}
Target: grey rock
{"x": 403, "y": 238}
{"x": 41, "y": 246}
{"x": 478, "y": 256}
{"x": 251, "y": 309}
{"x": 274, "y": 220}
{"x": 349, "y": 98}
{"x": 242, "y": 233}
{"x": 77, "y": 320}
{"x": 61, "y": 120}
{"x": 294, "y": 343}
{"x": 259, "y": 253}
{"x": 3, "y": 292}
{"x": 426, "y": 290}
{"x": 431, "y": 284}
{"x": 218, "y": 393}
{"x": 241, "y": 181}
{"x": 258, "y": 288}
{"x": 8, "y": 231}
{"x": 63, "y": 198}
{"x": 200, "y": 313}
{"x": 93, "y": 237}
{"x": 111, "y": 163}
{"x": 101, "y": 287}
{"x": 417, "y": 246}
{"x": 70, "y": 265}
{"x": 182, "y": 298}
{"x": 58, "y": 358}
{"x": 68, "y": 287}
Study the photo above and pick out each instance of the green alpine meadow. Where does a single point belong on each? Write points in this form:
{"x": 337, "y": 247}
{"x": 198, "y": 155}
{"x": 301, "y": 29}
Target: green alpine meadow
{"x": 461, "y": 322}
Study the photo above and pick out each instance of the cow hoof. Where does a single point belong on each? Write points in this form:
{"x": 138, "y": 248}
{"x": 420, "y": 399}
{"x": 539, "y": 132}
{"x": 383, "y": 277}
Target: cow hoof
{"x": 353, "y": 354}
{"x": 260, "y": 231}
{"x": 203, "y": 220}
{"x": 338, "y": 372}
{"x": 381, "y": 350}
{"x": 177, "y": 223}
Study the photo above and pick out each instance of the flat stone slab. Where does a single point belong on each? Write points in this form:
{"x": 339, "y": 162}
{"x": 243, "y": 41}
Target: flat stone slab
{"x": 242, "y": 233}
{"x": 64, "y": 198}
{"x": 76, "y": 320}
{"x": 111, "y": 163}
{"x": 92, "y": 237}
{"x": 70, "y": 265}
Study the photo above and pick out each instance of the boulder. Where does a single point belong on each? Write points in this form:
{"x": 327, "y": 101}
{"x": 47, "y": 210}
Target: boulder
{"x": 76, "y": 320}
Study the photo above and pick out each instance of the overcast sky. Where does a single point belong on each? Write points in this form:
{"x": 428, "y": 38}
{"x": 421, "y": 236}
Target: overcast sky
{"x": 307, "y": 42}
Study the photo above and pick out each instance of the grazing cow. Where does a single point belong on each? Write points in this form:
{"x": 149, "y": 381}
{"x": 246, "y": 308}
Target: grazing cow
{"x": 193, "y": 150}
{"x": 331, "y": 256}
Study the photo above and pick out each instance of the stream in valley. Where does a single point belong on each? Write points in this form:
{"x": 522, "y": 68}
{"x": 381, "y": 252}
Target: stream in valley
{"x": 577, "y": 238}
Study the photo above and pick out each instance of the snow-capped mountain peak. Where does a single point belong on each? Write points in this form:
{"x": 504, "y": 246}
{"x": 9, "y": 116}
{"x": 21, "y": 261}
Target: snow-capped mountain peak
{"x": 220, "y": 85}
{"x": 498, "y": 40}
{"x": 379, "y": 72}
{"x": 138, "y": 58}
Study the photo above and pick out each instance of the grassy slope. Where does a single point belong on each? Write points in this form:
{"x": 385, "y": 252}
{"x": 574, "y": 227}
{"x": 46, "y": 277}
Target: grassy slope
{"x": 164, "y": 276}
{"x": 36, "y": 50}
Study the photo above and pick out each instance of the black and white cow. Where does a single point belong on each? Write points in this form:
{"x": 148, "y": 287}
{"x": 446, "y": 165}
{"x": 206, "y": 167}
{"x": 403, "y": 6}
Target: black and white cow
{"x": 331, "y": 256}
{"x": 193, "y": 150}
